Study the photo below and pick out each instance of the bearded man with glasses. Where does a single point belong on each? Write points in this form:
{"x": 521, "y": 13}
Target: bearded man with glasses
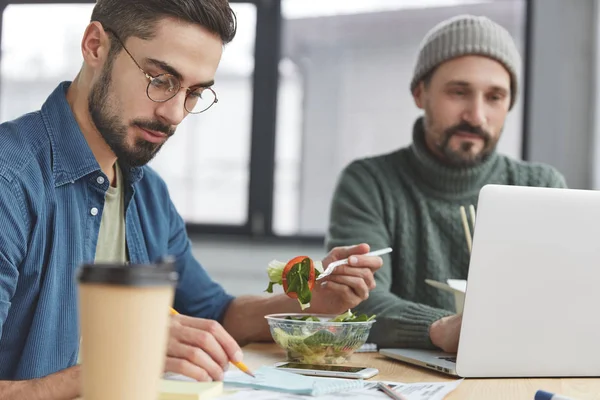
{"x": 75, "y": 188}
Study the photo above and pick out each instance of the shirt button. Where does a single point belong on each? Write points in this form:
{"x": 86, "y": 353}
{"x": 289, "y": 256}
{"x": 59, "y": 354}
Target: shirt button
{"x": 94, "y": 211}
{"x": 100, "y": 180}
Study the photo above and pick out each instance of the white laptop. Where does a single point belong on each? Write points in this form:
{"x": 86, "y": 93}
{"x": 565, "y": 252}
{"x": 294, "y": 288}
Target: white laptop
{"x": 532, "y": 306}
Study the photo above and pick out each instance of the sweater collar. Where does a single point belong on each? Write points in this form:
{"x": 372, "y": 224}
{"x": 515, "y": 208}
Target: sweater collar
{"x": 441, "y": 177}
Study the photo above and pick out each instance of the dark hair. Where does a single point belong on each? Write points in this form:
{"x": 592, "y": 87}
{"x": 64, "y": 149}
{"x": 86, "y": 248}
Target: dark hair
{"x": 139, "y": 17}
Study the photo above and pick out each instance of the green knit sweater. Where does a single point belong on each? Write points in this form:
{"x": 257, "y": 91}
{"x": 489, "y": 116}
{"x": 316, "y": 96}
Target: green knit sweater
{"x": 410, "y": 201}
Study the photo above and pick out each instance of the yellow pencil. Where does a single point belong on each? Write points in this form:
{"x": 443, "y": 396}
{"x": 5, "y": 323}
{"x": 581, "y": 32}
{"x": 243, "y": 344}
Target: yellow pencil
{"x": 243, "y": 368}
{"x": 240, "y": 364}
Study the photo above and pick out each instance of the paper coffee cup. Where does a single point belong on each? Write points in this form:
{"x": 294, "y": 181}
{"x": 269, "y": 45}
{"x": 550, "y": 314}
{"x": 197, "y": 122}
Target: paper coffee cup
{"x": 124, "y": 316}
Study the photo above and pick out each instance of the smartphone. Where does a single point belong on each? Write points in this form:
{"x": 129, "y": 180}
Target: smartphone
{"x": 332, "y": 371}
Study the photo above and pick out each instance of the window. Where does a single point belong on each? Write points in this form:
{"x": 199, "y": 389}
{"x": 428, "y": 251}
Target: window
{"x": 295, "y": 107}
{"x": 344, "y": 93}
{"x": 205, "y": 164}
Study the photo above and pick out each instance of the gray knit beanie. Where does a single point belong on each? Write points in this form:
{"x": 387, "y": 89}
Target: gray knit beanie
{"x": 468, "y": 35}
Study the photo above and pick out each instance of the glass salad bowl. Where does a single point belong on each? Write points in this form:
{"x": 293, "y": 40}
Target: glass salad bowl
{"x": 318, "y": 338}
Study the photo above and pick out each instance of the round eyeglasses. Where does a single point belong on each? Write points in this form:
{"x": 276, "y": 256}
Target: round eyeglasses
{"x": 164, "y": 87}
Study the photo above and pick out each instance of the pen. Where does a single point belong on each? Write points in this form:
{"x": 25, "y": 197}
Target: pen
{"x": 388, "y": 390}
{"x": 238, "y": 364}
{"x": 543, "y": 395}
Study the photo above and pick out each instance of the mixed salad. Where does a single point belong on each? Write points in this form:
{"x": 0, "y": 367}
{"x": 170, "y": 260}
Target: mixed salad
{"x": 329, "y": 344}
{"x": 297, "y": 277}
{"x": 348, "y": 316}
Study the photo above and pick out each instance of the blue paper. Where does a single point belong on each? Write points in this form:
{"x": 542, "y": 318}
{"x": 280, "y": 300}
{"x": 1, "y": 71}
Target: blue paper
{"x": 269, "y": 378}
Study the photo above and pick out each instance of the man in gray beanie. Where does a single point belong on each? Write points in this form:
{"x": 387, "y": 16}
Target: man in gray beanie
{"x": 465, "y": 80}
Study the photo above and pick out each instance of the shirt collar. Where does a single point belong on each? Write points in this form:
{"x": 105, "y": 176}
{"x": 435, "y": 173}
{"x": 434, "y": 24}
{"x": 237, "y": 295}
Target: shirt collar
{"x": 72, "y": 157}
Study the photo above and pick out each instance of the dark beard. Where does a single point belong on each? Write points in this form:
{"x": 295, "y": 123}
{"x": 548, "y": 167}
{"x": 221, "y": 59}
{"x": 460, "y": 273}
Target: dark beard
{"x": 114, "y": 132}
{"x": 462, "y": 157}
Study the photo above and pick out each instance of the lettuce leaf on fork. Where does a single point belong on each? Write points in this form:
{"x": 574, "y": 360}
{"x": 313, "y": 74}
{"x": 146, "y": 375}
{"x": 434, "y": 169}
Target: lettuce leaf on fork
{"x": 299, "y": 280}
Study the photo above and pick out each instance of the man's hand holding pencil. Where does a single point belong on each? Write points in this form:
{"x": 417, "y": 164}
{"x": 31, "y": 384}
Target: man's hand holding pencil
{"x": 201, "y": 349}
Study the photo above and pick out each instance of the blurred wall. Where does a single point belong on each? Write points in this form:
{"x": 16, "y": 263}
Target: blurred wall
{"x": 561, "y": 107}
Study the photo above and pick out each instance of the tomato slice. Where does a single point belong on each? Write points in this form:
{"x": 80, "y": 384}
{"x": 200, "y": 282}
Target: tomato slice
{"x": 297, "y": 261}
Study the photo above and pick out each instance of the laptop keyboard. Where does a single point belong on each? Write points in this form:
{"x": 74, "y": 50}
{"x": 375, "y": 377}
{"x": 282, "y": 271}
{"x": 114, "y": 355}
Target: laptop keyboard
{"x": 451, "y": 359}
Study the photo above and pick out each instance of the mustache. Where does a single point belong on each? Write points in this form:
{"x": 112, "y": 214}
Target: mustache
{"x": 466, "y": 127}
{"x": 154, "y": 125}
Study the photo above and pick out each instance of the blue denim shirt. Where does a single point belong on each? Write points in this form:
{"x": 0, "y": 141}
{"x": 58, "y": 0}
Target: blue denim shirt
{"x": 51, "y": 202}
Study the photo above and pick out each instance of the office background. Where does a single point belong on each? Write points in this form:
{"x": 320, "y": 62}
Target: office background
{"x": 306, "y": 87}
